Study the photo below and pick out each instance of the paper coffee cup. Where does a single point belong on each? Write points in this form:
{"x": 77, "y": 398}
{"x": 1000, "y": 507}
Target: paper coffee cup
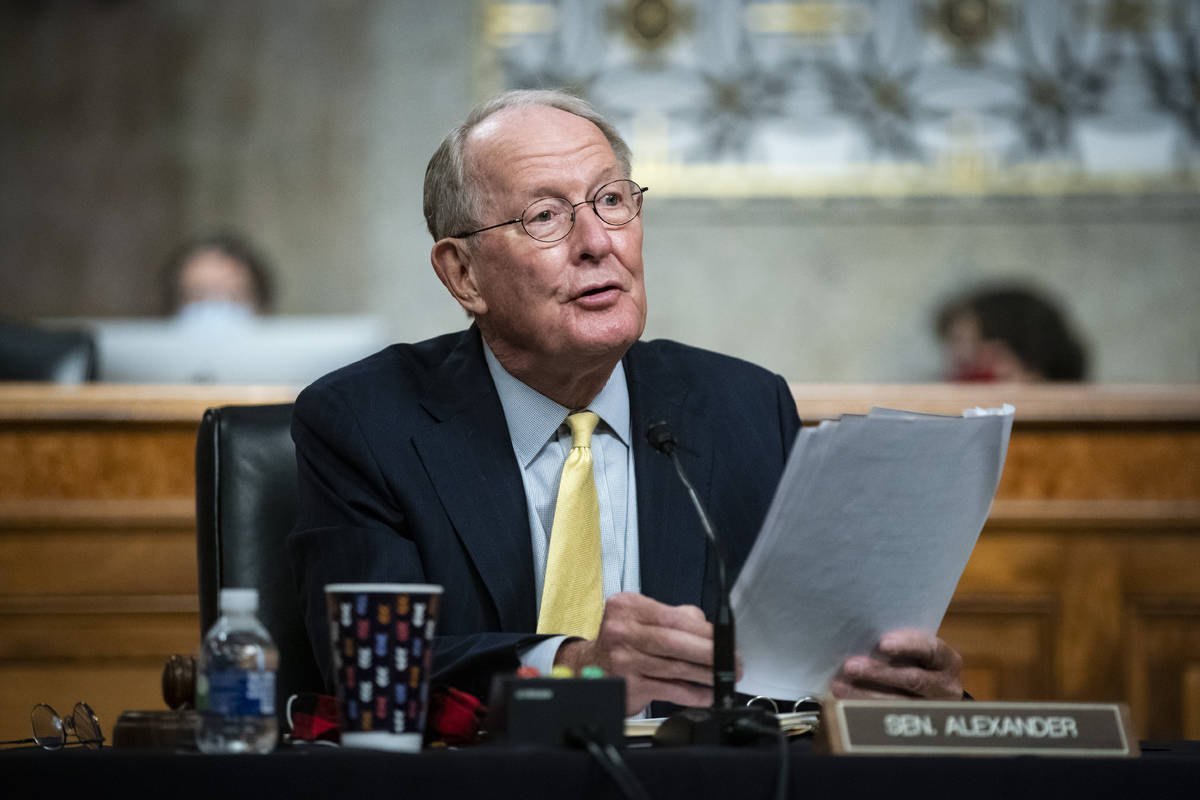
{"x": 381, "y": 635}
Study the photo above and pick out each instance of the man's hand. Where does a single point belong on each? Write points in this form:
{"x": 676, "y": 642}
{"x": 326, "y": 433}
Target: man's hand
{"x": 905, "y": 663}
{"x": 663, "y": 652}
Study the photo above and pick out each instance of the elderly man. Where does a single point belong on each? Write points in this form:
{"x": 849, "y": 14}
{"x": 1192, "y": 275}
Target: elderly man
{"x": 440, "y": 461}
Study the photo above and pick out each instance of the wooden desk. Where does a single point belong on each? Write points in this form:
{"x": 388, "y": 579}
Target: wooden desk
{"x": 1084, "y": 586}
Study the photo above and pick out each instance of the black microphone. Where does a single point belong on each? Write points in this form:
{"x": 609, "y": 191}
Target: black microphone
{"x": 723, "y": 723}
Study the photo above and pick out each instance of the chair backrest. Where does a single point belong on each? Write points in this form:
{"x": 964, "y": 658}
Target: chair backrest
{"x": 30, "y": 353}
{"x": 245, "y": 508}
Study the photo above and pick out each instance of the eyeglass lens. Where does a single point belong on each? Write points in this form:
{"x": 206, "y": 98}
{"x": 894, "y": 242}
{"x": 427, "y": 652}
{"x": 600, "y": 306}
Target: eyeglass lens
{"x": 51, "y": 731}
{"x": 552, "y": 218}
{"x": 48, "y": 730}
{"x": 87, "y": 726}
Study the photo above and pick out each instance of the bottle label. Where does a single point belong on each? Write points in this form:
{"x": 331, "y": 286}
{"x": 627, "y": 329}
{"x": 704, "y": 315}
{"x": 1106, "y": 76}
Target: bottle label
{"x": 236, "y": 692}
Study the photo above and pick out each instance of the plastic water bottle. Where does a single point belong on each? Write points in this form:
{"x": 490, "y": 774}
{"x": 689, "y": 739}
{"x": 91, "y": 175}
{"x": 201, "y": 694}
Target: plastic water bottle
{"x": 235, "y": 680}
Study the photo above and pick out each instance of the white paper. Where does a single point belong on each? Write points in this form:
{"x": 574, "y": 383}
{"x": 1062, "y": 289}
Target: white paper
{"x": 869, "y": 531}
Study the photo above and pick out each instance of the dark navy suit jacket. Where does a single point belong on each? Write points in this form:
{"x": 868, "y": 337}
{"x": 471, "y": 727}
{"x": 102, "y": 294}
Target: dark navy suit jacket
{"x": 407, "y": 474}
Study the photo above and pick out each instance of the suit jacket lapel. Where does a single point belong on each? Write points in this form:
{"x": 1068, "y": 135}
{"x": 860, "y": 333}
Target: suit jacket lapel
{"x": 672, "y": 545}
{"x": 469, "y": 459}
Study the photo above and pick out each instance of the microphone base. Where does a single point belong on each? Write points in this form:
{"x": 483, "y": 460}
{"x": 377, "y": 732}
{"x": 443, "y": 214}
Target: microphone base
{"x": 717, "y": 727}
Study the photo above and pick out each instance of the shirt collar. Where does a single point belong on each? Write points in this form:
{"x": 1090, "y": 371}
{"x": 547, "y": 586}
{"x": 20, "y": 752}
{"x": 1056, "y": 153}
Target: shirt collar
{"x": 534, "y": 418}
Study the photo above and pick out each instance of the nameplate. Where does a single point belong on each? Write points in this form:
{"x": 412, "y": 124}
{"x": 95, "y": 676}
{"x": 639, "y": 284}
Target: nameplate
{"x": 901, "y": 727}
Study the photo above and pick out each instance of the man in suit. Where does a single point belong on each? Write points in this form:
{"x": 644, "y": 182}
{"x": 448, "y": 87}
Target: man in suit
{"x": 438, "y": 462}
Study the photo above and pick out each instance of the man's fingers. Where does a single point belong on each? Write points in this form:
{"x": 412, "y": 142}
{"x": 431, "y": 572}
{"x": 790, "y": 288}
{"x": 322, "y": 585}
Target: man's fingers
{"x": 904, "y": 681}
{"x": 872, "y": 675}
{"x": 672, "y": 669}
{"x": 641, "y": 692}
{"x": 676, "y": 644}
{"x": 650, "y": 627}
{"x": 917, "y": 647}
{"x": 663, "y": 652}
{"x": 651, "y": 612}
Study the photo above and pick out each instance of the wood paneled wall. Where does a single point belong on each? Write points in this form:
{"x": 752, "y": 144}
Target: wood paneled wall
{"x": 97, "y": 543}
{"x": 1085, "y": 584}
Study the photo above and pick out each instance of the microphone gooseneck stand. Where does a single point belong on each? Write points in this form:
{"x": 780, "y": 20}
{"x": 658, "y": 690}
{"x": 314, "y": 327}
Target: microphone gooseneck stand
{"x": 723, "y": 723}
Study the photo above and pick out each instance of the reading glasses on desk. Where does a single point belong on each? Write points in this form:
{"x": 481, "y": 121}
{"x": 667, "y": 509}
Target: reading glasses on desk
{"x": 51, "y": 731}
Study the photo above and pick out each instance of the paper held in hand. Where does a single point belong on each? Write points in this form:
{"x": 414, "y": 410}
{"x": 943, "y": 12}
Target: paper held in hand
{"x": 869, "y": 531}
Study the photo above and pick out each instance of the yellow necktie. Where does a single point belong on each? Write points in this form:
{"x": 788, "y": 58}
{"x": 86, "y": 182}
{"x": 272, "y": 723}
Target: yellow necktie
{"x": 573, "y": 593}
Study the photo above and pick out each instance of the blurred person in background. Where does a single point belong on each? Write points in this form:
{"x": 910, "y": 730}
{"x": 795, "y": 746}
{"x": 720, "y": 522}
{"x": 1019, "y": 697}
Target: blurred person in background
{"x": 1008, "y": 333}
{"x": 216, "y": 278}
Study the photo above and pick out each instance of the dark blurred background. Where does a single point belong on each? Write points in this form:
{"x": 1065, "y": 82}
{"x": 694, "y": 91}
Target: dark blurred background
{"x": 824, "y": 176}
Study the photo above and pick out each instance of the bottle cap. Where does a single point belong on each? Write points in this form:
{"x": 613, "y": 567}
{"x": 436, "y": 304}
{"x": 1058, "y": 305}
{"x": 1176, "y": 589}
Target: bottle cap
{"x": 243, "y": 600}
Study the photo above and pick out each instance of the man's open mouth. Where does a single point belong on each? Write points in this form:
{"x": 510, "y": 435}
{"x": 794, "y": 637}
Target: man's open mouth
{"x": 598, "y": 290}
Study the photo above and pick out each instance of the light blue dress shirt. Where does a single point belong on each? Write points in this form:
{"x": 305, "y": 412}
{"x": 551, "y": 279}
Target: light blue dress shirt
{"x": 541, "y": 440}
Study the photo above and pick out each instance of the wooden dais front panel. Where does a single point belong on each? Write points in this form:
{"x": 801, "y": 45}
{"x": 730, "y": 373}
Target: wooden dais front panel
{"x": 97, "y": 543}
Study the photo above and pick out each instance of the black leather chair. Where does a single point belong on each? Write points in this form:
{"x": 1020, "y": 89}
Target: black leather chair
{"x": 245, "y": 507}
{"x": 29, "y": 353}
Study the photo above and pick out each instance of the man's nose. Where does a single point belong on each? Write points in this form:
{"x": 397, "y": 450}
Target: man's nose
{"x": 592, "y": 235}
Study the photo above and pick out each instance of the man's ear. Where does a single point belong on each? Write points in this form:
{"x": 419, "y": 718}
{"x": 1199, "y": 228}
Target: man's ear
{"x": 454, "y": 264}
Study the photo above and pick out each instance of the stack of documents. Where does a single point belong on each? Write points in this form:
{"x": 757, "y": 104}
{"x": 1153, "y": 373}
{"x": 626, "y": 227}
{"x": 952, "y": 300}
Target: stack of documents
{"x": 792, "y": 723}
{"x": 869, "y": 531}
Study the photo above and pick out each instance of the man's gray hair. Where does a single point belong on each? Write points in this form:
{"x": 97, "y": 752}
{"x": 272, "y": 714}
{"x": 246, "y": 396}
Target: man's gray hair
{"x": 452, "y": 195}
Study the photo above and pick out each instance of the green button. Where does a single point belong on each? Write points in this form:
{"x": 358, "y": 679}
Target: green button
{"x": 591, "y": 671}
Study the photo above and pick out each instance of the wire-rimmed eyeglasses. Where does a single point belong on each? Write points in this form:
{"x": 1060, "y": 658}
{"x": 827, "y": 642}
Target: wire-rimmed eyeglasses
{"x": 51, "y": 731}
{"x": 552, "y": 218}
